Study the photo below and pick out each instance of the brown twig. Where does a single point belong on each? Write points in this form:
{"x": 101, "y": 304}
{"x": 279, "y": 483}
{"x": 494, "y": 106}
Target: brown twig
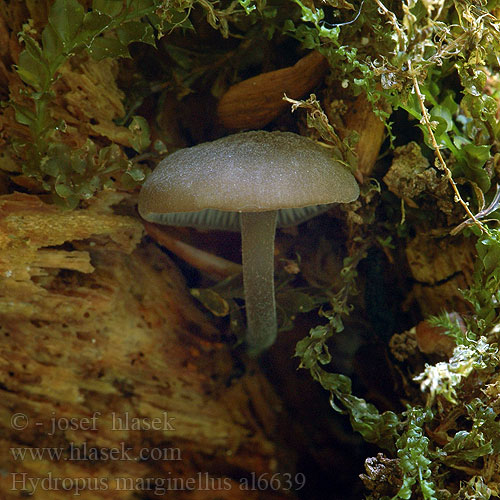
{"x": 213, "y": 265}
{"x": 426, "y": 121}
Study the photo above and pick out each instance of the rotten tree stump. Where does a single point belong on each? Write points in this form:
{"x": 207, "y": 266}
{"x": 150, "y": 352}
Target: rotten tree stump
{"x": 106, "y": 361}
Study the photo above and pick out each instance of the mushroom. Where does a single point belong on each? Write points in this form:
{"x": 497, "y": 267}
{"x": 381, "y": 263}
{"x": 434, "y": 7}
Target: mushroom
{"x": 253, "y": 182}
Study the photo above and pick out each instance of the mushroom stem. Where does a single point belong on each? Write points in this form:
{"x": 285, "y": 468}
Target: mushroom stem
{"x": 257, "y": 241}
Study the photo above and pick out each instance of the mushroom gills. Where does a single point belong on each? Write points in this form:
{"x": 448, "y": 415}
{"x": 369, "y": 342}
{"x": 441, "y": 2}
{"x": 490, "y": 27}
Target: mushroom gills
{"x": 210, "y": 218}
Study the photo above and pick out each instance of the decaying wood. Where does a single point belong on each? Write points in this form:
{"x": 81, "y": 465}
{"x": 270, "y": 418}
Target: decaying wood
{"x": 410, "y": 175}
{"x": 255, "y": 102}
{"x": 95, "y": 324}
{"x": 88, "y": 100}
{"x": 441, "y": 267}
{"x": 361, "y": 118}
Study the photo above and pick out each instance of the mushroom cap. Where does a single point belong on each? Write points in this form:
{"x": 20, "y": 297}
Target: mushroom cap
{"x": 251, "y": 171}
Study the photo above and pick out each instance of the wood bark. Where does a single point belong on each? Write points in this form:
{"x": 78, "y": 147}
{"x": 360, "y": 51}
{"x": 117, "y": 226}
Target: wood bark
{"x": 102, "y": 348}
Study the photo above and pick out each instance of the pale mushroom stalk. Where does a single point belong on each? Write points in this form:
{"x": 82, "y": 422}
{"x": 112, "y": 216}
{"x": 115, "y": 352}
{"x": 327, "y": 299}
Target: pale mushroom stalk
{"x": 257, "y": 242}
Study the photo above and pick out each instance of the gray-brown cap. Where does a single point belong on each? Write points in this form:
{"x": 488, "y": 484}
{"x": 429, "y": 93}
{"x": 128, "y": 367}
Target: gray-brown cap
{"x": 251, "y": 171}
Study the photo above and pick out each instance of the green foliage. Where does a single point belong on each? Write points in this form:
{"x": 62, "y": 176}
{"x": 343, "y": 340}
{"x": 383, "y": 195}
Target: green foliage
{"x": 451, "y": 130}
{"x": 478, "y": 434}
{"x": 443, "y": 378}
{"x": 406, "y": 54}
{"x": 433, "y": 60}
{"x": 75, "y": 175}
{"x": 314, "y": 354}
{"x": 413, "y": 453}
{"x": 450, "y": 325}
{"x": 484, "y": 294}
{"x": 475, "y": 489}
{"x": 465, "y": 126}
{"x": 481, "y": 440}
{"x": 343, "y": 150}
{"x": 350, "y": 59}
{"x": 375, "y": 427}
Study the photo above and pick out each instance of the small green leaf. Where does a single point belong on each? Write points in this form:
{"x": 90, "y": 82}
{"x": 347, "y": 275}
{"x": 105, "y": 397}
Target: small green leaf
{"x": 450, "y": 104}
{"x": 337, "y": 382}
{"x": 463, "y": 447}
{"x": 475, "y": 158}
{"x": 472, "y": 79}
{"x": 489, "y": 106}
{"x": 78, "y": 164}
{"x": 32, "y": 71}
{"x": 140, "y": 128}
{"x": 52, "y": 43}
{"x": 108, "y": 47}
{"x": 443, "y": 117}
{"x": 136, "y": 173}
{"x": 160, "y": 147}
{"x": 89, "y": 187}
{"x": 94, "y": 23}
{"x": 248, "y": 5}
{"x": 24, "y": 116}
{"x": 111, "y": 8}
{"x": 66, "y": 17}
{"x": 419, "y": 10}
{"x": 63, "y": 190}
{"x": 50, "y": 167}
{"x": 69, "y": 203}
{"x": 212, "y": 301}
{"x": 32, "y": 47}
{"x": 139, "y": 8}
{"x": 132, "y": 178}
{"x": 135, "y": 31}
{"x": 478, "y": 154}
{"x": 489, "y": 254}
